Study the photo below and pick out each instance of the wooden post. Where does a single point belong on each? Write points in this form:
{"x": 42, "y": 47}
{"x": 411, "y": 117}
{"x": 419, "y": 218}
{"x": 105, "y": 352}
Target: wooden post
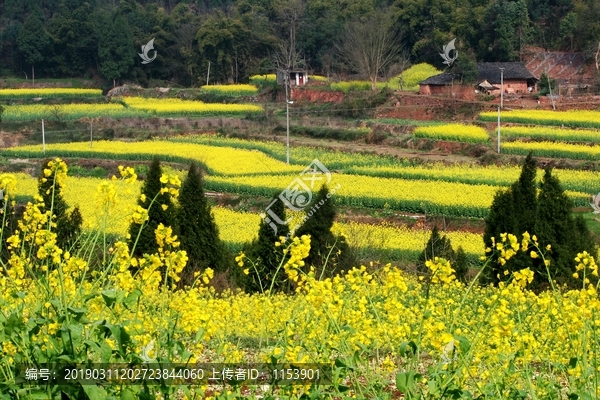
{"x": 43, "y": 138}
{"x": 498, "y": 130}
{"x": 208, "y": 74}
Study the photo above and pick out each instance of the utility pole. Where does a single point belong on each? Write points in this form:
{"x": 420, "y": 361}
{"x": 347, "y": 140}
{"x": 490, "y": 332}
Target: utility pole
{"x": 551, "y": 96}
{"x": 43, "y": 138}
{"x": 498, "y": 130}
{"x": 287, "y": 114}
{"x": 501, "y": 89}
{"x": 208, "y": 73}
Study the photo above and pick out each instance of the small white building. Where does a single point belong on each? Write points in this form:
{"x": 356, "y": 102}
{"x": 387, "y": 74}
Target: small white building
{"x": 297, "y": 78}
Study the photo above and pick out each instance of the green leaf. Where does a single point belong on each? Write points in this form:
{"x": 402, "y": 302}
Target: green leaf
{"x": 573, "y": 362}
{"x": 121, "y": 336}
{"x": 199, "y": 334}
{"x": 463, "y": 344}
{"x": 105, "y": 352}
{"x": 79, "y": 314}
{"x": 94, "y": 392}
{"x": 132, "y": 299}
{"x": 13, "y": 324}
{"x": 127, "y": 394}
{"x": 343, "y": 388}
{"x": 405, "y": 381}
{"x": 109, "y": 296}
{"x": 408, "y": 348}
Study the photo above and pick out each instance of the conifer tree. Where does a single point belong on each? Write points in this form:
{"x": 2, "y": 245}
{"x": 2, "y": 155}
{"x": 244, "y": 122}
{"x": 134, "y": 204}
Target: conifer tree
{"x": 328, "y": 254}
{"x": 525, "y": 197}
{"x": 461, "y": 265}
{"x": 68, "y": 225}
{"x": 557, "y": 227}
{"x": 197, "y": 230}
{"x": 159, "y": 211}
{"x": 437, "y": 246}
{"x": 266, "y": 256}
{"x": 501, "y": 219}
{"x": 512, "y": 211}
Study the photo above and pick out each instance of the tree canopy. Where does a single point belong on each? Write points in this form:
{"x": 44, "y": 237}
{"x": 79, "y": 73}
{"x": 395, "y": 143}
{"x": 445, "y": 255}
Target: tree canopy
{"x": 68, "y": 38}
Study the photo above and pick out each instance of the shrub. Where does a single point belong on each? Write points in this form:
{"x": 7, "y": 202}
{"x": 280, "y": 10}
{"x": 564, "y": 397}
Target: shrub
{"x": 160, "y": 211}
{"x": 198, "y": 231}
{"x": 265, "y": 256}
{"x": 50, "y": 184}
{"x": 329, "y": 254}
{"x": 546, "y": 215}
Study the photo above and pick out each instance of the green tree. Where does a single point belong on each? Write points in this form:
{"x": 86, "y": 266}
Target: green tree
{"x": 265, "y": 255}
{"x": 507, "y": 30}
{"x": 501, "y": 219}
{"x": 160, "y": 210}
{"x": 74, "y": 39}
{"x": 547, "y": 85}
{"x": 370, "y": 46}
{"x": 466, "y": 67}
{"x": 524, "y": 193}
{"x": 197, "y": 230}
{"x": 328, "y": 254}
{"x": 557, "y": 227}
{"x": 115, "y": 49}
{"x": 513, "y": 211}
{"x": 437, "y": 246}
{"x": 461, "y": 265}
{"x": 68, "y": 224}
{"x": 33, "y": 39}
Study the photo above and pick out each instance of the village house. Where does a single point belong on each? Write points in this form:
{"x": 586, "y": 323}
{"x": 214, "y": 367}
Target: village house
{"x": 517, "y": 79}
{"x": 297, "y": 78}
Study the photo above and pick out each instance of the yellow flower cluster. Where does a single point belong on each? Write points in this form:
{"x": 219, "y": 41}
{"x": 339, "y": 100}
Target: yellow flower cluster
{"x": 48, "y": 92}
{"x": 296, "y": 252}
{"x": 170, "y": 107}
{"x": 57, "y": 169}
{"x": 554, "y": 149}
{"x": 136, "y": 107}
{"x": 8, "y": 185}
{"x": 263, "y": 79}
{"x": 231, "y": 90}
{"x": 30, "y": 112}
{"x": 455, "y": 132}
{"x": 585, "y": 262}
{"x": 574, "y": 118}
{"x": 441, "y": 270}
{"x": 217, "y": 159}
{"x": 551, "y": 133}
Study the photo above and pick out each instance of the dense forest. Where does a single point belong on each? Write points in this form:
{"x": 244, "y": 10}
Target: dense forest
{"x": 239, "y": 38}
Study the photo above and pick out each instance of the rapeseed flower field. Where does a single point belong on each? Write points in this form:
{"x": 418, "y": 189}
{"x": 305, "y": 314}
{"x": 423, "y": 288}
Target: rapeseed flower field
{"x": 455, "y": 132}
{"x": 48, "y": 93}
{"x": 382, "y": 332}
{"x": 130, "y": 108}
{"x": 570, "y": 118}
